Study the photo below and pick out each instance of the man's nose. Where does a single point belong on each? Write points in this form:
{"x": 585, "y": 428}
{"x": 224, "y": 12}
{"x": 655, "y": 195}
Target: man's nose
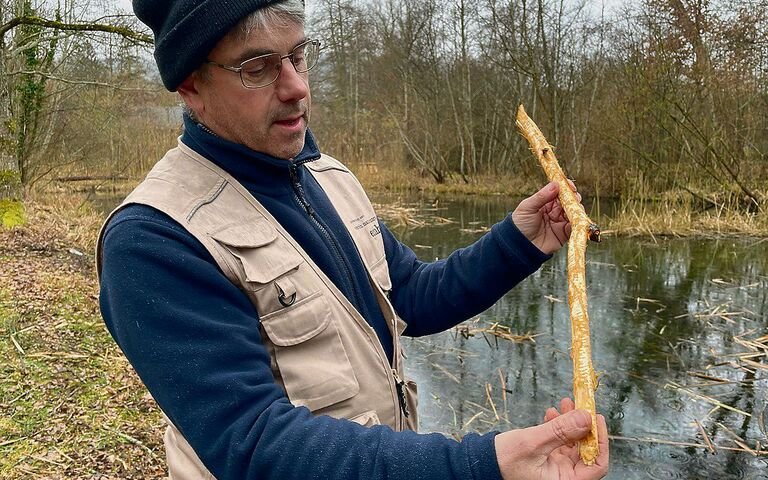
{"x": 291, "y": 85}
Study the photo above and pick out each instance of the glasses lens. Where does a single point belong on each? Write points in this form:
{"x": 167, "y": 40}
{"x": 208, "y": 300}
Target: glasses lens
{"x": 305, "y": 56}
{"x": 260, "y": 71}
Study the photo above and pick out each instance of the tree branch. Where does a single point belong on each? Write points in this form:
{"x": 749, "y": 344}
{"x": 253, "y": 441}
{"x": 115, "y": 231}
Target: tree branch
{"x": 125, "y": 32}
{"x": 83, "y": 82}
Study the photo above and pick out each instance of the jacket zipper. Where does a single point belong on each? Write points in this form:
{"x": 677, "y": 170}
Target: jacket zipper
{"x": 298, "y": 192}
{"x": 301, "y": 199}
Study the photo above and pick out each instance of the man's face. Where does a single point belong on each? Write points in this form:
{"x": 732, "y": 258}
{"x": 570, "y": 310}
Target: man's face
{"x": 271, "y": 119}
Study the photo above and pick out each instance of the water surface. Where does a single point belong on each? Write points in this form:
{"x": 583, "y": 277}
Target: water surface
{"x": 665, "y": 315}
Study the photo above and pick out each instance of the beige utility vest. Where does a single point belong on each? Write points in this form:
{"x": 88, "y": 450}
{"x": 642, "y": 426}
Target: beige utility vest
{"x": 324, "y": 354}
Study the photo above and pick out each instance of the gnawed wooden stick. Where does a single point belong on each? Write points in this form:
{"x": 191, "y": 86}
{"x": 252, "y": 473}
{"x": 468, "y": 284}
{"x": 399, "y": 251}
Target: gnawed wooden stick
{"x": 584, "y": 378}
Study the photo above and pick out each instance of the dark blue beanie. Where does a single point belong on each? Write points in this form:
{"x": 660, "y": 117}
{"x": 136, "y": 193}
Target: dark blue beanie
{"x": 187, "y": 30}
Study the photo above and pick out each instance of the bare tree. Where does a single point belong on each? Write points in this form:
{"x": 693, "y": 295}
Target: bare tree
{"x": 32, "y": 60}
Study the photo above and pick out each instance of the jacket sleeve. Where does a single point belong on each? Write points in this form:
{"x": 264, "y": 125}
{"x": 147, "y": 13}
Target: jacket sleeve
{"x": 193, "y": 339}
{"x": 434, "y": 296}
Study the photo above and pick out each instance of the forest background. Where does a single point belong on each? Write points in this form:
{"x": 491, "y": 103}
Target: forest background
{"x": 654, "y": 100}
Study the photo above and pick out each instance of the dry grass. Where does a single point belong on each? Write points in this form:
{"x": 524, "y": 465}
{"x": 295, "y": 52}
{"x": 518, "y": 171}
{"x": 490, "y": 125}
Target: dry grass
{"x": 68, "y": 219}
{"x": 377, "y": 177}
{"x": 679, "y": 217}
{"x": 398, "y": 215}
{"x": 70, "y": 405}
{"x": 495, "y": 331}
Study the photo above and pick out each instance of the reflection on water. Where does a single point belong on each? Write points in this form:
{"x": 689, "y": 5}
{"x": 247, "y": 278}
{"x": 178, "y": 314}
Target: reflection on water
{"x": 666, "y": 322}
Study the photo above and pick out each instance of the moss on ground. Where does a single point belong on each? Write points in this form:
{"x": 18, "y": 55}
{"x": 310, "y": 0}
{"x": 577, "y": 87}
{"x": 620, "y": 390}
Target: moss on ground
{"x": 11, "y": 213}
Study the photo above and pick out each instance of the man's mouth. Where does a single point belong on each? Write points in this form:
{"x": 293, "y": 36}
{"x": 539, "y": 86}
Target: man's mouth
{"x": 290, "y": 122}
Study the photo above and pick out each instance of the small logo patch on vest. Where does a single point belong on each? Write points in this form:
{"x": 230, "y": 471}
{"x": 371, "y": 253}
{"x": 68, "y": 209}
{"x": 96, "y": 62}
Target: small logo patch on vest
{"x": 375, "y": 230}
{"x": 359, "y": 223}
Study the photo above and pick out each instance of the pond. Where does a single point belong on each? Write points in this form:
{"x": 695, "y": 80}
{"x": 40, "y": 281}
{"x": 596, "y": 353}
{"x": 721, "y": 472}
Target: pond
{"x": 670, "y": 321}
{"x": 676, "y": 335}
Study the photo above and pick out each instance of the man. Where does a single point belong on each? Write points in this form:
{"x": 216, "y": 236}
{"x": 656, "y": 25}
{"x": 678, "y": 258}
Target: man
{"x": 258, "y": 297}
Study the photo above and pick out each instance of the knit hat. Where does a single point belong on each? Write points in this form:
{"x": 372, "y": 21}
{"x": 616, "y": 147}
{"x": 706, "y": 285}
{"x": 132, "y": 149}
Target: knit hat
{"x": 187, "y": 30}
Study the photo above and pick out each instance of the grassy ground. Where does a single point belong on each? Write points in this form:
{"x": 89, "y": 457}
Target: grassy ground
{"x": 70, "y": 405}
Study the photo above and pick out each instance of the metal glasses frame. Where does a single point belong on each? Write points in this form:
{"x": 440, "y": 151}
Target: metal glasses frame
{"x": 239, "y": 69}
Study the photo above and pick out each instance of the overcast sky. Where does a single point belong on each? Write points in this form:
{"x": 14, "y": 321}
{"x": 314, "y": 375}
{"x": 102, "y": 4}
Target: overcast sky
{"x": 593, "y": 5}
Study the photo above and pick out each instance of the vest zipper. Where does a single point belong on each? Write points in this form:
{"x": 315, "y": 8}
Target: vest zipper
{"x": 400, "y": 387}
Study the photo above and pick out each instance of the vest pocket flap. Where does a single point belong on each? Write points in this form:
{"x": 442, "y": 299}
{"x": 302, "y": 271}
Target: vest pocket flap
{"x": 367, "y": 419}
{"x": 243, "y": 235}
{"x": 260, "y": 268}
{"x": 412, "y": 399}
{"x": 286, "y": 330}
{"x": 255, "y": 244}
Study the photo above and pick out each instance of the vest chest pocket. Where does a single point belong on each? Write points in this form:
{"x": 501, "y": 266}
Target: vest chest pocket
{"x": 315, "y": 369}
{"x": 302, "y": 336}
{"x": 269, "y": 265}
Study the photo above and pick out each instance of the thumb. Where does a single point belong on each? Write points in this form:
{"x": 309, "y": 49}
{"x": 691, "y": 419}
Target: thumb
{"x": 563, "y": 430}
{"x": 542, "y": 197}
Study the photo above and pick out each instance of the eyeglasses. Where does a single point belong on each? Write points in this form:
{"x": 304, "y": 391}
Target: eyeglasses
{"x": 263, "y": 70}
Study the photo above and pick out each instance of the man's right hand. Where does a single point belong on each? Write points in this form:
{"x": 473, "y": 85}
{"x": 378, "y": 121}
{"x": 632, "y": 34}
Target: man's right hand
{"x": 549, "y": 451}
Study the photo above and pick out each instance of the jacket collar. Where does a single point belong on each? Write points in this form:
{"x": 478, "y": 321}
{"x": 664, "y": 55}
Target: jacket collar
{"x": 251, "y": 168}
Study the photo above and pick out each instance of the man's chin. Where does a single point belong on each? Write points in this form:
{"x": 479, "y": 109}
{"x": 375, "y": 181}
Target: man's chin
{"x": 287, "y": 152}
{"x": 295, "y": 145}
{"x": 280, "y": 146}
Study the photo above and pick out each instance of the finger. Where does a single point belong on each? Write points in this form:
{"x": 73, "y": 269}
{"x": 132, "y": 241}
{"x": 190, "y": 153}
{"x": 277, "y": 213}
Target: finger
{"x": 600, "y": 468}
{"x": 562, "y": 430}
{"x": 571, "y": 184}
{"x": 545, "y": 195}
{"x": 567, "y": 405}
{"x": 602, "y": 442}
{"x": 551, "y": 414}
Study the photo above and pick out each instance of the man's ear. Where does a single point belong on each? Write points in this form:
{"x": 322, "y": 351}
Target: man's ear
{"x": 191, "y": 95}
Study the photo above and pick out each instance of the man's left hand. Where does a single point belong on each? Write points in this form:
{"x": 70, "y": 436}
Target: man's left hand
{"x": 542, "y": 219}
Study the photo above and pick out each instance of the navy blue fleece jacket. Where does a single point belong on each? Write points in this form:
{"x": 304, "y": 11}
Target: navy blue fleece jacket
{"x": 192, "y": 335}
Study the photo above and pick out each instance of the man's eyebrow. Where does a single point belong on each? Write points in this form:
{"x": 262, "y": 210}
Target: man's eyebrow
{"x": 256, "y": 52}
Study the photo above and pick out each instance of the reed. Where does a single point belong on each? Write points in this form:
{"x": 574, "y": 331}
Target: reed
{"x": 681, "y": 216}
